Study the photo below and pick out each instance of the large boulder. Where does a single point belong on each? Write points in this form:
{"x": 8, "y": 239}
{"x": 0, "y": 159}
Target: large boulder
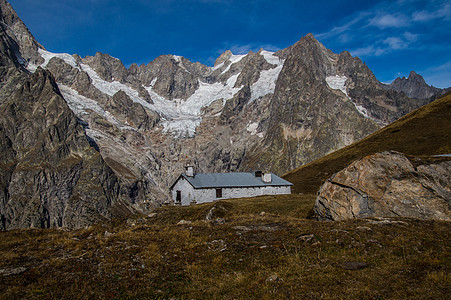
{"x": 386, "y": 184}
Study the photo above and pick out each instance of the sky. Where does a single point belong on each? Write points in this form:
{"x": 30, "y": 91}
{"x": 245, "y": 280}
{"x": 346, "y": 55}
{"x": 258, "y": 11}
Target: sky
{"x": 391, "y": 37}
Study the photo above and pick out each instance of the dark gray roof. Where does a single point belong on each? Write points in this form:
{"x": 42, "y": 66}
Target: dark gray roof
{"x": 227, "y": 180}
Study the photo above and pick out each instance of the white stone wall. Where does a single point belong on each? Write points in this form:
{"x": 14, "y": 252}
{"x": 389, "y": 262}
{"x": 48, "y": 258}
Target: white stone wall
{"x": 189, "y": 194}
{"x": 186, "y": 189}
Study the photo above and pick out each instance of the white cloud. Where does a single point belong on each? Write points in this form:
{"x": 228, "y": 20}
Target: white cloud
{"x": 441, "y": 12}
{"x": 389, "y": 20}
{"x": 387, "y": 45}
{"x": 410, "y": 36}
{"x": 423, "y": 16}
{"x": 438, "y": 76}
{"x": 340, "y": 29}
{"x": 371, "y": 50}
{"x": 395, "y": 43}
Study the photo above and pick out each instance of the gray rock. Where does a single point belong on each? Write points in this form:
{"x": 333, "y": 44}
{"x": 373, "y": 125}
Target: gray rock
{"x": 12, "y": 271}
{"x": 353, "y": 265}
{"x": 184, "y": 222}
{"x": 274, "y": 278}
{"x": 386, "y": 185}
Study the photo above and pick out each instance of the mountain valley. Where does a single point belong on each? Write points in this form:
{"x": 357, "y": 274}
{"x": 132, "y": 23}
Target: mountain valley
{"x": 260, "y": 110}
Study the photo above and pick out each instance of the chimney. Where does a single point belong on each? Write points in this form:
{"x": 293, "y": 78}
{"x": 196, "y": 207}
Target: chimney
{"x": 267, "y": 177}
{"x": 189, "y": 171}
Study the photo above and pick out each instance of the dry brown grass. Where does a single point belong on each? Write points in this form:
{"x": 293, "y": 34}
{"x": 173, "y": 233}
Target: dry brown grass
{"x": 275, "y": 255}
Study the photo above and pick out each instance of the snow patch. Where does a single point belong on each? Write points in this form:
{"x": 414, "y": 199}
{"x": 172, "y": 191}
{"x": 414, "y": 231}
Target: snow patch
{"x": 252, "y": 128}
{"x": 81, "y": 106}
{"x": 362, "y": 110}
{"x": 110, "y": 88}
{"x": 266, "y": 84}
{"x": 233, "y": 60}
{"x": 271, "y": 58}
{"x": 47, "y": 56}
{"x": 337, "y": 82}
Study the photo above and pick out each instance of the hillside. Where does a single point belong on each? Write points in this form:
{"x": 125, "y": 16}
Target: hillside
{"x": 422, "y": 133}
{"x": 256, "y": 248}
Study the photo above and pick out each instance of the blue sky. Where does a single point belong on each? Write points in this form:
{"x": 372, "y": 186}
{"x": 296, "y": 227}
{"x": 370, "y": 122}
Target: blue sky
{"x": 392, "y": 37}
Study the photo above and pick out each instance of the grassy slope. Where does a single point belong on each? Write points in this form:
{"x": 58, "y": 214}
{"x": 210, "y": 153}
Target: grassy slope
{"x": 276, "y": 255}
{"x": 425, "y": 131}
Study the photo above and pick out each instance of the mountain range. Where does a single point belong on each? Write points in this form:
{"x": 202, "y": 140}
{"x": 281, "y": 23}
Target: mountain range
{"x": 84, "y": 139}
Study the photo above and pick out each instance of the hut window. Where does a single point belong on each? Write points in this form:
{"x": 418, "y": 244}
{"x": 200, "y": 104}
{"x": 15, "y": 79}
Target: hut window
{"x": 218, "y": 193}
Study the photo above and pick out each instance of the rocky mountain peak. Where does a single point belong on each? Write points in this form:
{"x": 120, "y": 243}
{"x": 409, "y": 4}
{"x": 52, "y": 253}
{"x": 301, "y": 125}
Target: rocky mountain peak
{"x": 13, "y": 26}
{"x": 414, "y": 87}
{"x": 107, "y": 67}
{"x": 223, "y": 57}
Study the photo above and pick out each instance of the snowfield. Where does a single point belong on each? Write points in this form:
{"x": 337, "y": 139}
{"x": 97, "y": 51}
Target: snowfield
{"x": 179, "y": 117}
{"x": 337, "y": 82}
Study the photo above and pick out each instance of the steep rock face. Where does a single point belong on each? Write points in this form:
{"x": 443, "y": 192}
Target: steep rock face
{"x": 386, "y": 185}
{"x": 51, "y": 176}
{"x": 107, "y": 67}
{"x": 364, "y": 89}
{"x": 322, "y": 102}
{"x": 308, "y": 119}
{"x": 414, "y": 87}
{"x": 12, "y": 25}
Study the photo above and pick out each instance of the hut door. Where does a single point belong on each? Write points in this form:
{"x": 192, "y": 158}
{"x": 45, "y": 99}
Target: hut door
{"x": 178, "y": 197}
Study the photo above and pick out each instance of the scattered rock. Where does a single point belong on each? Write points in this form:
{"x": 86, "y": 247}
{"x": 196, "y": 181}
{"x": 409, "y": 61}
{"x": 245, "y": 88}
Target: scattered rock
{"x": 217, "y": 245}
{"x": 131, "y": 222}
{"x": 218, "y": 221}
{"x": 353, "y": 265}
{"x": 363, "y": 228}
{"x": 274, "y": 278}
{"x": 242, "y": 228}
{"x": 262, "y": 214}
{"x": 108, "y": 234}
{"x": 12, "y": 271}
{"x": 306, "y": 238}
{"x": 382, "y": 221}
{"x": 216, "y": 211}
{"x": 184, "y": 222}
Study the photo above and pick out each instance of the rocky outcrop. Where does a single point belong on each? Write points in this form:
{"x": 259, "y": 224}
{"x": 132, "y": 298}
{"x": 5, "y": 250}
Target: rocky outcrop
{"x": 308, "y": 119}
{"x": 50, "y": 174}
{"x": 415, "y": 87}
{"x": 12, "y": 26}
{"x": 386, "y": 185}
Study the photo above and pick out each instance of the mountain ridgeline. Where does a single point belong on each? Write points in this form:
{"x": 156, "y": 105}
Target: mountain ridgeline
{"x": 84, "y": 139}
